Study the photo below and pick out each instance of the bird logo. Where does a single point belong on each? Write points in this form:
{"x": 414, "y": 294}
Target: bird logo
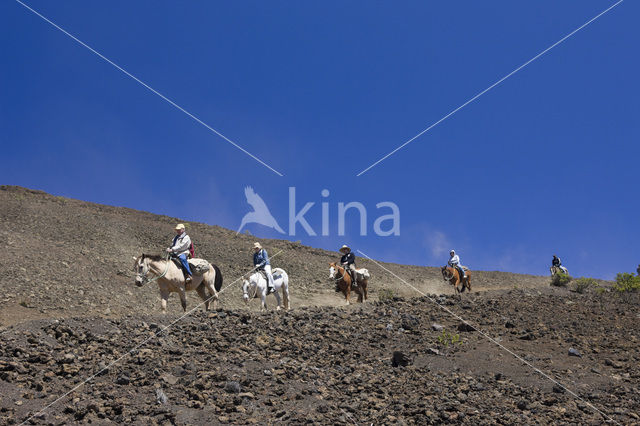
{"x": 260, "y": 214}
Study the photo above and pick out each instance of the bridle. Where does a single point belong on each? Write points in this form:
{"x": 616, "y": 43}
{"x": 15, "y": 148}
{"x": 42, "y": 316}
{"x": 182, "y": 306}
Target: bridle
{"x": 448, "y": 276}
{"x": 255, "y": 290}
{"x": 143, "y": 275}
{"x": 344, "y": 271}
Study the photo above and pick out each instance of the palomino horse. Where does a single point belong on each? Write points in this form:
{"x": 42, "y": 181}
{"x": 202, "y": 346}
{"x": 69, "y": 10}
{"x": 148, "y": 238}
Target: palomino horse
{"x": 452, "y": 276}
{"x": 170, "y": 279}
{"x": 256, "y": 286}
{"x": 343, "y": 282}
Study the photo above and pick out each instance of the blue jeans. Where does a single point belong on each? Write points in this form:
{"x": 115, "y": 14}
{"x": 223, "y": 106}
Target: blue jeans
{"x": 185, "y": 264}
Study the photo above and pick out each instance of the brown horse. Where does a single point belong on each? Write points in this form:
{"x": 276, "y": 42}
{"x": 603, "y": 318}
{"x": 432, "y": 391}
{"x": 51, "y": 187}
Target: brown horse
{"x": 452, "y": 276}
{"x": 343, "y": 282}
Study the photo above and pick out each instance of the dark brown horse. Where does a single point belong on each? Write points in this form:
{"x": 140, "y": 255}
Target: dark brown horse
{"x": 344, "y": 282}
{"x": 452, "y": 276}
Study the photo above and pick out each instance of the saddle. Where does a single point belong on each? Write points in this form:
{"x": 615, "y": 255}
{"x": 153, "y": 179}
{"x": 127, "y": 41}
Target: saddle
{"x": 198, "y": 266}
{"x": 462, "y": 270}
{"x": 361, "y": 274}
{"x": 263, "y": 273}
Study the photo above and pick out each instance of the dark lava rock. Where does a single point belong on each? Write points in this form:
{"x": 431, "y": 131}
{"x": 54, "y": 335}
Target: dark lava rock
{"x": 123, "y": 379}
{"x": 558, "y": 389}
{"x": 232, "y": 387}
{"x": 465, "y": 327}
{"x": 400, "y": 360}
{"x": 410, "y": 322}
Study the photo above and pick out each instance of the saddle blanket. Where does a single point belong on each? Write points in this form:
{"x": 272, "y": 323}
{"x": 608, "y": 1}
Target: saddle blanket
{"x": 362, "y": 274}
{"x": 198, "y": 266}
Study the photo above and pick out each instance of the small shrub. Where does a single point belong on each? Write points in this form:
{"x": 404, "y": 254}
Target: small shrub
{"x": 627, "y": 283}
{"x": 385, "y": 295}
{"x": 560, "y": 280}
{"x": 446, "y": 339}
{"x": 582, "y": 284}
{"x": 601, "y": 290}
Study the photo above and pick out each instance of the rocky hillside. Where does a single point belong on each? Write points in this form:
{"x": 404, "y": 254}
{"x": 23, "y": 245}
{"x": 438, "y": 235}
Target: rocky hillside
{"x": 66, "y": 257}
{"x": 322, "y": 365}
{"x": 70, "y": 314}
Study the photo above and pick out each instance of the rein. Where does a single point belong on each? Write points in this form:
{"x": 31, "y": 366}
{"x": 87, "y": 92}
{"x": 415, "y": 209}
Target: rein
{"x": 344, "y": 271}
{"x": 255, "y": 290}
{"x": 156, "y": 278}
{"x": 448, "y": 279}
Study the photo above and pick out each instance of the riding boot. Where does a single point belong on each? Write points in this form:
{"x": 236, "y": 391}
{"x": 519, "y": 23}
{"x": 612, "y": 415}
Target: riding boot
{"x": 187, "y": 280}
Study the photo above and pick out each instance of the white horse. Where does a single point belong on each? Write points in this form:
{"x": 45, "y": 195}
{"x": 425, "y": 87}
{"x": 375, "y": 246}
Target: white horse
{"x": 256, "y": 286}
{"x": 170, "y": 279}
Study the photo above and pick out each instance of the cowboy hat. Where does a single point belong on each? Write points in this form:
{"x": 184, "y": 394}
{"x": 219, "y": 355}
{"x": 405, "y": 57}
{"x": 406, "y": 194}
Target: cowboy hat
{"x": 344, "y": 247}
{"x": 257, "y": 245}
{"x": 179, "y": 226}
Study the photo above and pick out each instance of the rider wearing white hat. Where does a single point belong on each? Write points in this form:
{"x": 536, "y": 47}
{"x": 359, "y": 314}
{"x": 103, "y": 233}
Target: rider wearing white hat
{"x": 348, "y": 260}
{"x": 180, "y": 249}
{"x": 261, "y": 262}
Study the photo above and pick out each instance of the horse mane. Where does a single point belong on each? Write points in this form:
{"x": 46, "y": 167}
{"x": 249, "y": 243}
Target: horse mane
{"x": 153, "y": 257}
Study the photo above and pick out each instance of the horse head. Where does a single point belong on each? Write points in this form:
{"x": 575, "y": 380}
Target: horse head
{"x": 446, "y": 273}
{"x": 245, "y": 290}
{"x": 332, "y": 270}
{"x": 141, "y": 268}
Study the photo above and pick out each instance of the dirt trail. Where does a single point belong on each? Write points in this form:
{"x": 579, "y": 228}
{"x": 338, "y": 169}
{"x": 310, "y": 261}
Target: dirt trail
{"x": 69, "y": 258}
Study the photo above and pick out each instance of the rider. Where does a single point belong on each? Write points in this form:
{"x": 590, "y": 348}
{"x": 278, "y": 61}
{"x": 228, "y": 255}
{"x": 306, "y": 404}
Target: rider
{"x": 261, "y": 262}
{"x": 348, "y": 260}
{"x": 180, "y": 249}
{"x": 454, "y": 262}
{"x": 556, "y": 262}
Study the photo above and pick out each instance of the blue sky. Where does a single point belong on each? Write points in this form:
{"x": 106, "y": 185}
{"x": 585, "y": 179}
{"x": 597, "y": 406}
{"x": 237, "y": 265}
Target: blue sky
{"x": 544, "y": 163}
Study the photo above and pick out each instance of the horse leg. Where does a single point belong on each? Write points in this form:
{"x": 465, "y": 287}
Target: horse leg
{"x": 203, "y": 295}
{"x": 285, "y": 295}
{"x": 364, "y": 289}
{"x": 277, "y": 294}
{"x": 183, "y": 297}
{"x": 213, "y": 294}
{"x": 263, "y": 298}
{"x": 348, "y": 293}
{"x": 164, "y": 296}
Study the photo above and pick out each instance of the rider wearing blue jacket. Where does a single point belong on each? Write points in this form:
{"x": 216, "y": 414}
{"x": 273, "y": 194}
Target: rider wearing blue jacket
{"x": 261, "y": 262}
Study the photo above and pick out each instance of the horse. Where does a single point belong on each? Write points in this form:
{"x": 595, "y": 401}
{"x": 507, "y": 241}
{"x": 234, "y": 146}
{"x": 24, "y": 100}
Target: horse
{"x": 256, "y": 286}
{"x": 452, "y": 276}
{"x": 170, "y": 279}
{"x": 558, "y": 269}
{"x": 344, "y": 282}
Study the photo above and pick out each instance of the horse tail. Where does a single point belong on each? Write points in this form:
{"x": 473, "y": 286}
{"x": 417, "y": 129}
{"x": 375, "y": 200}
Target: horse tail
{"x": 285, "y": 290}
{"x": 217, "y": 283}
